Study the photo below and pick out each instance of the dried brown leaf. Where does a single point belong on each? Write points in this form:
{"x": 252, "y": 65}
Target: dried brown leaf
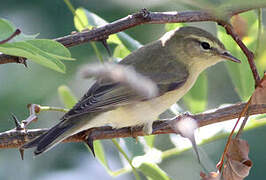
{"x": 259, "y": 95}
{"x": 210, "y": 176}
{"x": 240, "y": 26}
{"x": 237, "y": 165}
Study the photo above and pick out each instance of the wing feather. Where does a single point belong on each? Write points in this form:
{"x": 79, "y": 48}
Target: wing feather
{"x": 168, "y": 74}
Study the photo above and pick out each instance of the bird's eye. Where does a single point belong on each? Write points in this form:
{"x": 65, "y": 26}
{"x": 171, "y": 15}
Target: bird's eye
{"x": 205, "y": 45}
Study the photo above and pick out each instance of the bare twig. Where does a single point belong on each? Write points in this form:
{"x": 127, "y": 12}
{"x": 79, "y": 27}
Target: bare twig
{"x": 15, "y": 138}
{"x": 17, "y": 32}
{"x": 4, "y": 59}
{"x": 250, "y": 56}
{"x": 241, "y": 114}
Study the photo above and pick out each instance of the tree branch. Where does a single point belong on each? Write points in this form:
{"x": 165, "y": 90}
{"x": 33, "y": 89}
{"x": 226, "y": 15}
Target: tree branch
{"x": 15, "y": 138}
{"x": 4, "y": 59}
{"x": 147, "y": 17}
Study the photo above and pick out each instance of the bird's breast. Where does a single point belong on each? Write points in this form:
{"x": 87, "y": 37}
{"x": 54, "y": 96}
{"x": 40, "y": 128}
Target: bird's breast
{"x": 143, "y": 112}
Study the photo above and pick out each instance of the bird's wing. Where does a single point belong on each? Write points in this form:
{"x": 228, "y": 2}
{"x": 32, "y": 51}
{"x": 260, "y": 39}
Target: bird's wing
{"x": 108, "y": 95}
{"x": 163, "y": 69}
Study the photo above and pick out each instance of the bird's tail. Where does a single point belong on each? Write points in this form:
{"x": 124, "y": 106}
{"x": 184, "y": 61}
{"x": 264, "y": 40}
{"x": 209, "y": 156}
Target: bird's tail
{"x": 52, "y": 137}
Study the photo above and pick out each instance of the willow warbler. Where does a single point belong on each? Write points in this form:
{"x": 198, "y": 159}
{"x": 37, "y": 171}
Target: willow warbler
{"x": 173, "y": 63}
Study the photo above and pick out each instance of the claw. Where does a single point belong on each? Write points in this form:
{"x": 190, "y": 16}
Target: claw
{"x": 89, "y": 142}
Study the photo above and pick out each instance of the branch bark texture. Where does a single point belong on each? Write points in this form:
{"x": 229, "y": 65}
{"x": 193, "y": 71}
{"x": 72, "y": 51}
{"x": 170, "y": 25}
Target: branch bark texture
{"x": 15, "y": 138}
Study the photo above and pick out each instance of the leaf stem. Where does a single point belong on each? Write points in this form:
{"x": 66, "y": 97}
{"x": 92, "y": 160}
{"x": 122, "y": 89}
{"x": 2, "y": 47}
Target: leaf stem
{"x": 127, "y": 158}
{"x": 51, "y": 108}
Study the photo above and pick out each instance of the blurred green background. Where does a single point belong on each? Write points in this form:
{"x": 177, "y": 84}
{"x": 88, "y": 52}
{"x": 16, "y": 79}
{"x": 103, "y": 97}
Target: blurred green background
{"x": 20, "y": 86}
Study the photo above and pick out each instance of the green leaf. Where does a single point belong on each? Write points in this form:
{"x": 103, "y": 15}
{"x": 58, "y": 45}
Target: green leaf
{"x": 172, "y": 26}
{"x": 121, "y": 51}
{"x": 196, "y": 98}
{"x": 260, "y": 60}
{"x": 80, "y": 20}
{"x": 93, "y": 19}
{"x": 153, "y": 171}
{"x": 150, "y": 140}
{"x": 53, "y": 48}
{"x": 66, "y": 96}
{"x": 114, "y": 39}
{"x": 25, "y": 49}
{"x": 6, "y": 29}
{"x": 99, "y": 153}
{"x": 24, "y": 37}
{"x": 241, "y": 74}
{"x": 42, "y": 51}
{"x": 130, "y": 43}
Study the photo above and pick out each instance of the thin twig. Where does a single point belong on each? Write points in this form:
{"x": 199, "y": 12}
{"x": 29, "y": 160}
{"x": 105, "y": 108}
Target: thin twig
{"x": 16, "y": 138}
{"x": 17, "y": 32}
{"x": 250, "y": 56}
{"x": 241, "y": 114}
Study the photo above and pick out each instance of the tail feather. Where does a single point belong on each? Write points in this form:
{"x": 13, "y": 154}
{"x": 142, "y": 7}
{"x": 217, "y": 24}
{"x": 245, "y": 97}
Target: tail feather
{"x": 58, "y": 133}
{"x": 49, "y": 139}
{"x": 33, "y": 143}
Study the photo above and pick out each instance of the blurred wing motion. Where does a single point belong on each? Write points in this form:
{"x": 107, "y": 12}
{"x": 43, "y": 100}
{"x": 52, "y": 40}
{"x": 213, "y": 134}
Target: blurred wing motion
{"x": 105, "y": 95}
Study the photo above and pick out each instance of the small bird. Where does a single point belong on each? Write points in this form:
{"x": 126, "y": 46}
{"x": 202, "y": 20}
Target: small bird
{"x": 173, "y": 63}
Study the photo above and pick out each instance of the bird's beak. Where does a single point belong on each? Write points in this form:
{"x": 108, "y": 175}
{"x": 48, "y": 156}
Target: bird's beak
{"x": 228, "y": 56}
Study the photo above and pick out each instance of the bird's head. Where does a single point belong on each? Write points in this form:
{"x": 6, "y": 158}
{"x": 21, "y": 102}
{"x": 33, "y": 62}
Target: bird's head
{"x": 195, "y": 46}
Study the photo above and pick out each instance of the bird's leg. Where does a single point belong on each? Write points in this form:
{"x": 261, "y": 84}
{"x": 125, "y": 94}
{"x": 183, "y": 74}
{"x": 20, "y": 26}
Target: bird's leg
{"x": 34, "y": 109}
{"x": 147, "y": 128}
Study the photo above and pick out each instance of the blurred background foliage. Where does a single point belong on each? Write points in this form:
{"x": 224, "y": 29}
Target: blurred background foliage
{"x": 222, "y": 84}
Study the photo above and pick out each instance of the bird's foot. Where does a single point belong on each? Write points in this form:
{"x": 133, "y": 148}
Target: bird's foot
{"x": 147, "y": 128}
